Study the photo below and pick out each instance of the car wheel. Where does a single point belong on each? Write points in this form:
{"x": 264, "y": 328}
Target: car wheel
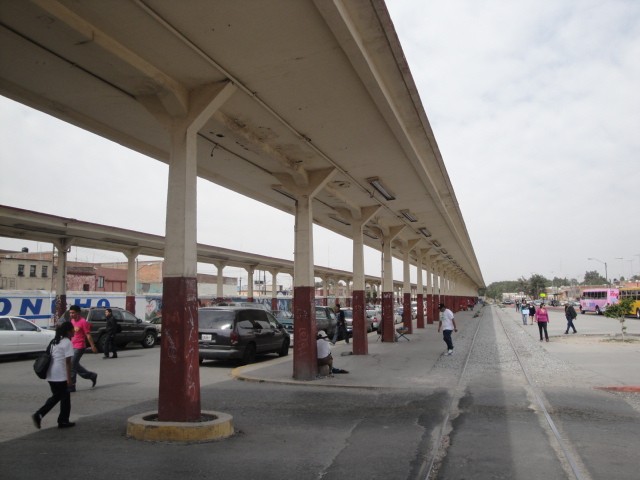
{"x": 638, "y": 313}
{"x": 249, "y": 355}
{"x": 284, "y": 350}
{"x": 149, "y": 340}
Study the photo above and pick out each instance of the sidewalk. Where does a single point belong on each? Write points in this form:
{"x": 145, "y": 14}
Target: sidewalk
{"x": 400, "y": 364}
{"x": 410, "y": 364}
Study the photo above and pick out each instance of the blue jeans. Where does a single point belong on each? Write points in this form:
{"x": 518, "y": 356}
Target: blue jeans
{"x": 446, "y": 336}
{"x": 77, "y": 369}
{"x": 570, "y": 325}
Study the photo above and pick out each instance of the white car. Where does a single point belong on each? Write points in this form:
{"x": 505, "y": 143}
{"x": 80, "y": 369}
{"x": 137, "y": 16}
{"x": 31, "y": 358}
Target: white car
{"x": 18, "y": 335}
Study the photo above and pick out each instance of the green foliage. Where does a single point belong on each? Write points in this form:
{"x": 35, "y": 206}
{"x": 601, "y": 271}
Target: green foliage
{"x": 594, "y": 278}
{"x": 619, "y": 311}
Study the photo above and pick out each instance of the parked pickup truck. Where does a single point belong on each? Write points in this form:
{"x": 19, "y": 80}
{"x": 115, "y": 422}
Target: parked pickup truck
{"x": 133, "y": 329}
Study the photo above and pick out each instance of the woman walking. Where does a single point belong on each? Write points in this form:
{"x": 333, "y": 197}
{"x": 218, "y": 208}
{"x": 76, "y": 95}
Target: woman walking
{"x": 532, "y": 313}
{"x": 59, "y": 377}
{"x": 524, "y": 310}
{"x": 542, "y": 317}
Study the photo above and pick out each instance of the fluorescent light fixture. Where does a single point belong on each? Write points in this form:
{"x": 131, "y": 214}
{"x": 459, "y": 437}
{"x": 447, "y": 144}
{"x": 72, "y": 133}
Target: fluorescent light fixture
{"x": 435, "y": 243}
{"x": 408, "y": 215}
{"x": 424, "y": 232}
{"x": 339, "y": 220}
{"x": 370, "y": 235}
{"x": 449, "y": 257}
{"x": 443, "y": 251}
{"x": 382, "y": 190}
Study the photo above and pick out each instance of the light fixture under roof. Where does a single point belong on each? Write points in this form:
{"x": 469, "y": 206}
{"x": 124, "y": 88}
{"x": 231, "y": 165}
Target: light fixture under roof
{"x": 370, "y": 235}
{"x": 443, "y": 251}
{"x": 435, "y": 243}
{"x": 408, "y": 215}
{"x": 382, "y": 190}
{"x": 424, "y": 232}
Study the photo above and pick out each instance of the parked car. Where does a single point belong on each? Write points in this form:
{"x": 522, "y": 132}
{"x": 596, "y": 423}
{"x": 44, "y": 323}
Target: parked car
{"x": 19, "y": 335}
{"x": 286, "y": 320}
{"x": 348, "y": 317}
{"x": 397, "y": 318}
{"x": 158, "y": 324}
{"x": 326, "y": 320}
{"x": 240, "y": 333}
{"x": 133, "y": 329}
{"x": 372, "y": 314}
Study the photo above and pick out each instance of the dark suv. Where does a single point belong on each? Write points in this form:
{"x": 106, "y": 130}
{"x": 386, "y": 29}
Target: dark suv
{"x": 133, "y": 329}
{"x": 239, "y": 333}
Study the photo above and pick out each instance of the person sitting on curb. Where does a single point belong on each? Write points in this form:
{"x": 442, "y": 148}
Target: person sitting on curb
{"x": 323, "y": 347}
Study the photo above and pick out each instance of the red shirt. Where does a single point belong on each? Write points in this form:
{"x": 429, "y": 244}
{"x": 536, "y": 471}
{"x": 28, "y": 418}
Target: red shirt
{"x": 80, "y": 330}
{"x": 542, "y": 316}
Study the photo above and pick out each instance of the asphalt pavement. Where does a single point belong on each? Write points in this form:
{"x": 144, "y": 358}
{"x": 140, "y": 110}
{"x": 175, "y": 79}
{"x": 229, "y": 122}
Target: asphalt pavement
{"x": 378, "y": 421}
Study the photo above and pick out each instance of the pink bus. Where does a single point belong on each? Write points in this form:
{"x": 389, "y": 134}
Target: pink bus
{"x": 597, "y": 299}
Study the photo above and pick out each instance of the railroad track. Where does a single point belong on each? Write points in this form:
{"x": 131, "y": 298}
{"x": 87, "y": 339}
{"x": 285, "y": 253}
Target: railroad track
{"x": 496, "y": 348}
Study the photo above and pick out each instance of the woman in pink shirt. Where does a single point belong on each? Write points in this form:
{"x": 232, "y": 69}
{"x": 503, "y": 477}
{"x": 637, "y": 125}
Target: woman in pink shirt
{"x": 542, "y": 317}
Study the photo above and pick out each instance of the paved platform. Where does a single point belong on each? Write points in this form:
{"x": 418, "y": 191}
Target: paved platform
{"x": 377, "y": 421}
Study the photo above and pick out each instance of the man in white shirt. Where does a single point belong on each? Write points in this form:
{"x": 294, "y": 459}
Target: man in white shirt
{"x": 324, "y": 350}
{"x": 448, "y": 324}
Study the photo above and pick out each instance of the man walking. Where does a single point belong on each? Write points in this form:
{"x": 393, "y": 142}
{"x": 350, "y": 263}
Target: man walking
{"x": 570, "y": 314}
{"x": 447, "y": 323}
{"x": 110, "y": 332}
{"x": 81, "y": 333}
{"x": 341, "y": 327}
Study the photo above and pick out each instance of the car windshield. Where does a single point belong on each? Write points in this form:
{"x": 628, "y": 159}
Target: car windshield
{"x": 215, "y": 319}
{"x": 348, "y": 313}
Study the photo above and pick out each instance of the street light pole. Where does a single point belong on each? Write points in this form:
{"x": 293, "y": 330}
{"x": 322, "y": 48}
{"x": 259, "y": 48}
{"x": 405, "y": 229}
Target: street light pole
{"x": 606, "y": 273}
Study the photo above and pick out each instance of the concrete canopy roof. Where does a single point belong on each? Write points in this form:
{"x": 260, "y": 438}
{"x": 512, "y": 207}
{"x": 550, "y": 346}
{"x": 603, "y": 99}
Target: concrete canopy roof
{"x": 315, "y": 85}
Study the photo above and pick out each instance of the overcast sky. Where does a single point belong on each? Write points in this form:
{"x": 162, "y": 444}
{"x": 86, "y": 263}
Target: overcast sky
{"x": 535, "y": 107}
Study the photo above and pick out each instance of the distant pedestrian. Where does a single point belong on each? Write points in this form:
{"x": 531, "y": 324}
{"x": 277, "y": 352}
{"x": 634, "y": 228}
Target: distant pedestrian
{"x": 532, "y": 313}
{"x": 524, "y": 310}
{"x": 517, "y": 305}
{"x": 82, "y": 333}
{"x": 542, "y": 317}
{"x": 110, "y": 334}
{"x": 447, "y": 323}
{"x": 570, "y": 314}
{"x": 59, "y": 377}
{"x": 341, "y": 327}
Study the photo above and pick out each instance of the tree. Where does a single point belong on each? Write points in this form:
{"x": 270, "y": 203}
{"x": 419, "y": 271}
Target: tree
{"x": 620, "y": 310}
{"x": 594, "y": 278}
{"x": 537, "y": 285}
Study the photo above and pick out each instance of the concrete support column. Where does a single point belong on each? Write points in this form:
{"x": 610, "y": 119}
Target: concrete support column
{"x": 360, "y": 342}
{"x": 220, "y": 280}
{"x": 406, "y": 291}
{"x": 63, "y": 246}
{"x": 419, "y": 294}
{"x": 388, "y": 326}
{"x": 325, "y": 290}
{"x": 274, "y": 288}
{"x": 179, "y": 389}
{"x": 130, "y": 301}
{"x": 250, "y": 270}
{"x": 304, "y": 186}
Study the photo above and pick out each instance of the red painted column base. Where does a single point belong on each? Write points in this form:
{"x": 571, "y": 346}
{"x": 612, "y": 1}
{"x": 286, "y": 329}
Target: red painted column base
{"x": 60, "y": 307}
{"x": 388, "y": 326}
{"x": 406, "y": 312}
{"x": 130, "y": 303}
{"x": 360, "y": 339}
{"x": 179, "y": 396}
{"x": 305, "y": 360}
{"x": 274, "y": 304}
{"x": 420, "y": 307}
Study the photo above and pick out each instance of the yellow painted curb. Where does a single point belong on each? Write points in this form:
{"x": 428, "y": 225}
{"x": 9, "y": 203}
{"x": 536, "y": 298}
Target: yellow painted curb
{"x": 146, "y": 427}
